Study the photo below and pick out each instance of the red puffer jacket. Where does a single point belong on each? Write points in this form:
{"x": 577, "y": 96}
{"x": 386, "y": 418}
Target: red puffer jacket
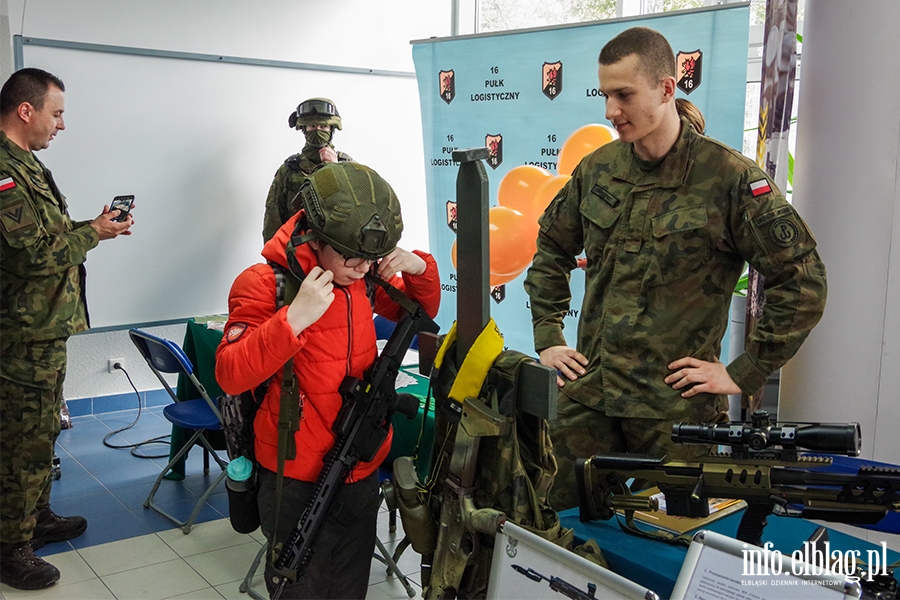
{"x": 258, "y": 342}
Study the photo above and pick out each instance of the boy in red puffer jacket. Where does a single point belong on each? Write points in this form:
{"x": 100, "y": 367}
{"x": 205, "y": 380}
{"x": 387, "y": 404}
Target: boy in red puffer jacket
{"x": 349, "y": 224}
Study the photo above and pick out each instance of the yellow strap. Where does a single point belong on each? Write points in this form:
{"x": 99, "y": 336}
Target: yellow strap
{"x": 445, "y": 345}
{"x": 477, "y": 362}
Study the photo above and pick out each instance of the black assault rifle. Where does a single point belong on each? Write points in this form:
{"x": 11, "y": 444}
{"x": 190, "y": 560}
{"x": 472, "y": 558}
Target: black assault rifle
{"x": 764, "y": 468}
{"x": 361, "y": 427}
{"x": 560, "y": 586}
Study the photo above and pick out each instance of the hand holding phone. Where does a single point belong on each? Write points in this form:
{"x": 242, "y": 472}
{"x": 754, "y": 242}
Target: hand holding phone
{"x": 123, "y": 204}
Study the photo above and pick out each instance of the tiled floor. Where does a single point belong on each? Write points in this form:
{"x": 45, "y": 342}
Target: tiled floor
{"x": 130, "y": 552}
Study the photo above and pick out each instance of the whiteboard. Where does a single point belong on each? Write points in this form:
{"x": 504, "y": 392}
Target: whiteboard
{"x": 198, "y": 143}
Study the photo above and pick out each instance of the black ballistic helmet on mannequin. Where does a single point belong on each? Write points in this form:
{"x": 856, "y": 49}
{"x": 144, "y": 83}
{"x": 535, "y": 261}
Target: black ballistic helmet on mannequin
{"x": 315, "y": 111}
{"x": 352, "y": 209}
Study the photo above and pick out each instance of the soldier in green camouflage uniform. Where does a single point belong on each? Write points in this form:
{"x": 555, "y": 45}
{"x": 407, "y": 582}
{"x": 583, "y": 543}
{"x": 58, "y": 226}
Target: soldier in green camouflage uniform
{"x": 42, "y": 303}
{"x": 666, "y": 218}
{"x": 317, "y": 118}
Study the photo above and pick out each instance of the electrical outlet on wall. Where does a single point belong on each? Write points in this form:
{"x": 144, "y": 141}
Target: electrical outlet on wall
{"x": 112, "y": 364}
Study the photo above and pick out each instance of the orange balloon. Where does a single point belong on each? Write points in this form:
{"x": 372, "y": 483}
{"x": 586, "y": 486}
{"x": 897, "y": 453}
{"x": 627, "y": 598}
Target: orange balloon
{"x": 512, "y": 244}
{"x": 519, "y": 185}
{"x": 582, "y": 142}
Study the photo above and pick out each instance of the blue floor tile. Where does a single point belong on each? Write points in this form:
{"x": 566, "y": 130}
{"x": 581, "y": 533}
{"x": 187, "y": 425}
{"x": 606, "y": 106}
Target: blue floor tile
{"x": 90, "y": 506}
{"x": 56, "y": 548}
{"x": 169, "y": 491}
{"x": 111, "y": 528}
{"x": 87, "y": 432}
{"x": 140, "y": 472}
{"x": 219, "y": 501}
{"x": 108, "y": 486}
{"x": 199, "y": 482}
{"x": 68, "y": 464}
{"x": 73, "y": 484}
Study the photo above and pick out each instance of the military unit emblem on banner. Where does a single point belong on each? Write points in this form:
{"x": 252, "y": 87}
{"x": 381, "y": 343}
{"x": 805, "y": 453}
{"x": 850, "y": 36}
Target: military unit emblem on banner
{"x": 551, "y": 79}
{"x": 688, "y": 67}
{"x": 494, "y": 145}
{"x": 451, "y": 215}
{"x": 447, "y": 85}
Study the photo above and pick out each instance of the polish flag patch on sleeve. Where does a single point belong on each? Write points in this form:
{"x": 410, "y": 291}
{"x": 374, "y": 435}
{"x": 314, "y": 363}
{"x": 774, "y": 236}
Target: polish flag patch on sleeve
{"x": 7, "y": 184}
{"x": 758, "y": 188}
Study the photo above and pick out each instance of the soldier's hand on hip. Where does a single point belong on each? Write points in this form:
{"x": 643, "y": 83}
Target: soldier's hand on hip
{"x": 697, "y": 376}
{"x": 107, "y": 228}
{"x": 568, "y": 361}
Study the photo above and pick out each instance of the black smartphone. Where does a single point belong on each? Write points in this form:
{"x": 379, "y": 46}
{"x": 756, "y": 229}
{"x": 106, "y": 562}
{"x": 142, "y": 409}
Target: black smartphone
{"x": 122, "y": 203}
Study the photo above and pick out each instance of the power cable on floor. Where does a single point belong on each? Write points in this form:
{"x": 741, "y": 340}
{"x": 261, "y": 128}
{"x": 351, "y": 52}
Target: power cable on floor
{"x": 134, "y": 447}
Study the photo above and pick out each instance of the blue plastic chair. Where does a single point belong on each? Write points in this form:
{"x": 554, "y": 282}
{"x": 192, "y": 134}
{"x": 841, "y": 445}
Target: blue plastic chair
{"x": 384, "y": 327}
{"x": 200, "y": 415}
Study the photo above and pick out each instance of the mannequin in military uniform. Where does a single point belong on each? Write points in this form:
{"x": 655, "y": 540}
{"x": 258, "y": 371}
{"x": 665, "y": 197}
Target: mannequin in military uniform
{"x": 42, "y": 303}
{"x": 317, "y": 118}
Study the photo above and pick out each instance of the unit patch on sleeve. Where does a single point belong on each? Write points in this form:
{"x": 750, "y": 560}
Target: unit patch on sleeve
{"x": 235, "y": 332}
{"x": 784, "y": 232}
{"x": 760, "y": 187}
{"x": 15, "y": 217}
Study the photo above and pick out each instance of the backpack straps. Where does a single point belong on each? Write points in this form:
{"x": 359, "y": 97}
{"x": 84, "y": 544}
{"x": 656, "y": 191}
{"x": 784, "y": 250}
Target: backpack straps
{"x": 287, "y": 284}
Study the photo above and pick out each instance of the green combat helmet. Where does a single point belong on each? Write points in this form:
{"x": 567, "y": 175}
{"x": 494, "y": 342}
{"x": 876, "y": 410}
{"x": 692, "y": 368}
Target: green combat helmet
{"x": 315, "y": 111}
{"x": 351, "y": 208}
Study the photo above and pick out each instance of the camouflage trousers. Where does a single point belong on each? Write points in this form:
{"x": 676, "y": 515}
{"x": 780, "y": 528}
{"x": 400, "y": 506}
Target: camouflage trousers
{"x": 31, "y": 381}
{"x": 580, "y": 431}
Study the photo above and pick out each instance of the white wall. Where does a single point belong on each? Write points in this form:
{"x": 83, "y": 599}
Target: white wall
{"x": 847, "y": 186}
{"x": 351, "y": 33}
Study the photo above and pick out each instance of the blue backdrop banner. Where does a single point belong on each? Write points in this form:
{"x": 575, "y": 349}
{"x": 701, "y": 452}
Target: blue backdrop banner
{"x": 531, "y": 97}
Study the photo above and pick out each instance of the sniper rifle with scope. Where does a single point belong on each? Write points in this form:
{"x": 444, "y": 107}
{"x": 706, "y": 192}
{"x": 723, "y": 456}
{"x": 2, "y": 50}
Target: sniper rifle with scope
{"x": 765, "y": 468}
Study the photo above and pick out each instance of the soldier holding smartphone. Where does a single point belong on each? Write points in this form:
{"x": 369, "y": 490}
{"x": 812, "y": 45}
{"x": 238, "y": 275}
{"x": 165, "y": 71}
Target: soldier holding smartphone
{"x": 42, "y": 303}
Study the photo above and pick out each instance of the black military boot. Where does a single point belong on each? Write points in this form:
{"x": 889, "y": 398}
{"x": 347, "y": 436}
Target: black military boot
{"x": 21, "y": 569}
{"x": 53, "y": 528}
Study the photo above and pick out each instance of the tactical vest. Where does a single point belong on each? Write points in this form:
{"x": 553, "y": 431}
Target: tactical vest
{"x": 513, "y": 472}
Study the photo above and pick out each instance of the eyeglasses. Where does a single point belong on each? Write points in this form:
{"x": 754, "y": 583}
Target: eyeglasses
{"x": 351, "y": 262}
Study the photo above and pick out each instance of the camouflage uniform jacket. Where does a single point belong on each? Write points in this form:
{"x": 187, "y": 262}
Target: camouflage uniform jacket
{"x": 288, "y": 179}
{"x": 41, "y": 254}
{"x": 664, "y": 251}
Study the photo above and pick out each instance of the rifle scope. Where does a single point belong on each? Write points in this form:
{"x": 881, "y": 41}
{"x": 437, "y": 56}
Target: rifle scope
{"x": 834, "y": 438}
